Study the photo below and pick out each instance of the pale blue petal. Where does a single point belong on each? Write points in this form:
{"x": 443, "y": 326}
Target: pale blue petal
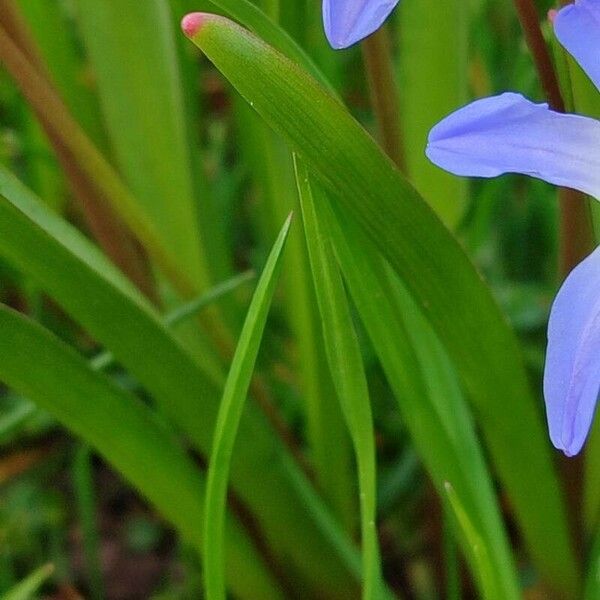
{"x": 572, "y": 372}
{"x": 577, "y": 27}
{"x": 510, "y": 134}
{"x": 349, "y": 21}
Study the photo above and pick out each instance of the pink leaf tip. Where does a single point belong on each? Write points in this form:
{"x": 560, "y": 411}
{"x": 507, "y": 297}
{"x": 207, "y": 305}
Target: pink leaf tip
{"x": 191, "y": 23}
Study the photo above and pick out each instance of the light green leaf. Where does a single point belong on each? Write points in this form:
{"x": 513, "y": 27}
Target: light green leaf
{"x": 132, "y": 49}
{"x": 26, "y": 589}
{"x": 348, "y": 374}
{"x": 478, "y": 550}
{"x": 229, "y": 417}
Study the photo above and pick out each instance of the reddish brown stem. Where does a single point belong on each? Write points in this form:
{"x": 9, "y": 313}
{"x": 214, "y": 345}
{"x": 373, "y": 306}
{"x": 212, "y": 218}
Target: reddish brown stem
{"x": 539, "y": 51}
{"x": 377, "y": 56}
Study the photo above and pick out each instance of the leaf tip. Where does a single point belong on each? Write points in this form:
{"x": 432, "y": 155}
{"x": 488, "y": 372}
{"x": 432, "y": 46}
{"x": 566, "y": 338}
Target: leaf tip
{"x": 191, "y": 23}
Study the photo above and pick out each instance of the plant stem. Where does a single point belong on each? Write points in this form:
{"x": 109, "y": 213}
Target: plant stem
{"x": 379, "y": 66}
{"x": 576, "y": 234}
{"x": 539, "y": 51}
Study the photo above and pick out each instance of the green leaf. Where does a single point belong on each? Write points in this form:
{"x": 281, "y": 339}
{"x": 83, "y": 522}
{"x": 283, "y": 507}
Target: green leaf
{"x": 229, "y": 417}
{"x": 132, "y": 49}
{"x": 347, "y": 370}
{"x": 26, "y": 589}
{"x": 433, "y": 81}
{"x": 479, "y": 552}
{"x": 433, "y": 266}
{"x": 426, "y": 388}
{"x": 125, "y": 432}
{"x": 98, "y": 296}
{"x": 252, "y": 17}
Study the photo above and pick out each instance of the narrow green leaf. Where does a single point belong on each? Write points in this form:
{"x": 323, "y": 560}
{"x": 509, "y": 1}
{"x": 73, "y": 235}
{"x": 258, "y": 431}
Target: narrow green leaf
{"x": 94, "y": 292}
{"x": 229, "y": 417}
{"x": 132, "y": 50}
{"x": 426, "y": 388}
{"x": 123, "y": 430}
{"x": 433, "y": 80}
{"x": 435, "y": 269}
{"x": 26, "y": 589}
{"x": 479, "y": 552}
{"x": 347, "y": 370}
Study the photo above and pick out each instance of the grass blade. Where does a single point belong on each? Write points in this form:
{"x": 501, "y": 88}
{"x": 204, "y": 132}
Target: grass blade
{"x": 132, "y": 49}
{"x": 347, "y": 370}
{"x": 424, "y": 58}
{"x": 479, "y": 552}
{"x": 228, "y": 420}
{"x": 26, "y": 589}
{"x": 272, "y": 168}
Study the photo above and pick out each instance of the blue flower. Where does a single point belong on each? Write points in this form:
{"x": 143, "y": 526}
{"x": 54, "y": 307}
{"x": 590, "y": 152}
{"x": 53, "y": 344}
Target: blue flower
{"x": 510, "y": 134}
{"x": 349, "y": 21}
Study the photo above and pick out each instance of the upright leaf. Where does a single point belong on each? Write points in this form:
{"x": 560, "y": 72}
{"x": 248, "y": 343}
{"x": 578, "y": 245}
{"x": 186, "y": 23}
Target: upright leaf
{"x": 228, "y": 420}
{"x": 348, "y": 374}
{"x": 433, "y": 79}
{"x": 132, "y": 49}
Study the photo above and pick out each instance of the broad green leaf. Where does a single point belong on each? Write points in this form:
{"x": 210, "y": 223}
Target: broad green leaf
{"x": 426, "y": 388}
{"x": 26, "y": 589}
{"x": 365, "y": 185}
{"x": 125, "y": 432}
{"x": 229, "y": 417}
{"x": 132, "y": 49}
{"x": 433, "y": 82}
{"x": 348, "y": 374}
{"x": 94, "y": 293}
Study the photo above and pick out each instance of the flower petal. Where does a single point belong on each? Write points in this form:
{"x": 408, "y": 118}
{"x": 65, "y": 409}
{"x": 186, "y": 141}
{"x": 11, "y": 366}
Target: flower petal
{"x": 577, "y": 28}
{"x": 510, "y": 134}
{"x": 572, "y": 372}
{"x": 349, "y": 21}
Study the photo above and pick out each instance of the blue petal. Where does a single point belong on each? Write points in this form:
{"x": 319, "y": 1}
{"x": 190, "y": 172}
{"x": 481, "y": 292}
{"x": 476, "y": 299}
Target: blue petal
{"x": 510, "y": 134}
{"x": 349, "y": 21}
{"x": 577, "y": 27}
{"x": 572, "y": 372}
